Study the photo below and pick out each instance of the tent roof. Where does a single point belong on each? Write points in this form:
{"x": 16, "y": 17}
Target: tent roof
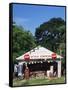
{"x": 39, "y": 53}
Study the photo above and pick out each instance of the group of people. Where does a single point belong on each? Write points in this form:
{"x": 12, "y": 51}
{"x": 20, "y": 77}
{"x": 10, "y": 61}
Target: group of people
{"x": 21, "y": 70}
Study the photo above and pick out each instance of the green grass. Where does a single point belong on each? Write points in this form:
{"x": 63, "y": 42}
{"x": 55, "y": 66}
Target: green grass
{"x": 38, "y": 81}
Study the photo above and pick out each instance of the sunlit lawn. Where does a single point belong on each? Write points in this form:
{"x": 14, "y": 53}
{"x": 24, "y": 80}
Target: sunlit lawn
{"x": 35, "y": 81}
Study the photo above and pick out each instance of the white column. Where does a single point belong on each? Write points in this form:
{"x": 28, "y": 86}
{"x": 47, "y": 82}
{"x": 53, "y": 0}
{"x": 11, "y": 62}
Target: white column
{"x": 51, "y": 69}
{"x": 20, "y": 69}
{"x": 59, "y": 69}
{"x": 48, "y": 73}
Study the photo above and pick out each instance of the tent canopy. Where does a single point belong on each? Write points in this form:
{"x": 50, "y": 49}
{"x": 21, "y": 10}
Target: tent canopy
{"x": 39, "y": 53}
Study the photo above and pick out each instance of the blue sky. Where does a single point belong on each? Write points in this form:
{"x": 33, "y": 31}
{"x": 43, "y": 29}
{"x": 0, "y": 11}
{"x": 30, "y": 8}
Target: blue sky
{"x": 31, "y": 16}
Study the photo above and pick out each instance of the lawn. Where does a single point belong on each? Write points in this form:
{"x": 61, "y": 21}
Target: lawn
{"x": 38, "y": 81}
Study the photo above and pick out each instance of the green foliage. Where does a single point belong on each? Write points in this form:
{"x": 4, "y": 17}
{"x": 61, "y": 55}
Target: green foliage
{"x": 51, "y": 34}
{"x": 23, "y": 41}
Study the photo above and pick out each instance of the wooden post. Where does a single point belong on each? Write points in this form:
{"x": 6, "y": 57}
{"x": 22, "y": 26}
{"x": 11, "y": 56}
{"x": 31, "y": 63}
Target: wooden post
{"x": 26, "y": 73}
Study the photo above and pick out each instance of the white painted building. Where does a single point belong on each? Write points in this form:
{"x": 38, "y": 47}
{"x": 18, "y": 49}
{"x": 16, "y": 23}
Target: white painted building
{"x": 40, "y": 55}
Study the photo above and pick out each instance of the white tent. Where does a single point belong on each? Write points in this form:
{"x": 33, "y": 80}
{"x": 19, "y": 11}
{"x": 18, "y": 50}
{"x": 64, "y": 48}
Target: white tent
{"x": 39, "y": 53}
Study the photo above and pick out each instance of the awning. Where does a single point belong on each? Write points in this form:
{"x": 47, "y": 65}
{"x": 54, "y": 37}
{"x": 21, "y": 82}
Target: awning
{"x": 39, "y": 53}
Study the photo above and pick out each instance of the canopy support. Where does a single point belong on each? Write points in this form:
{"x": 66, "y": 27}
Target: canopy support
{"x": 59, "y": 68}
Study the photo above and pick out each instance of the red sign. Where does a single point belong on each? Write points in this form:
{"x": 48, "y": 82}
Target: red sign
{"x": 54, "y": 56}
{"x": 26, "y": 57}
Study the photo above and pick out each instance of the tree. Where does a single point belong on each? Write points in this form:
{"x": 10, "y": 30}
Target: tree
{"x": 22, "y": 41}
{"x": 51, "y": 32}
